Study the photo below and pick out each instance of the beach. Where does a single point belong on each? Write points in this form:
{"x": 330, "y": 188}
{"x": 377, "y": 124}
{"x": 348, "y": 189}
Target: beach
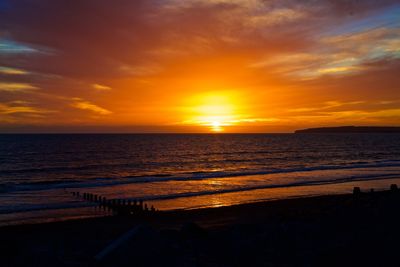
{"x": 221, "y": 200}
{"x": 183, "y": 171}
{"x": 331, "y": 230}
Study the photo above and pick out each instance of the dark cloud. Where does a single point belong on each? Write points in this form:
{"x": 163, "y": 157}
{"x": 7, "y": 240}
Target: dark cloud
{"x": 81, "y": 37}
{"x": 92, "y": 38}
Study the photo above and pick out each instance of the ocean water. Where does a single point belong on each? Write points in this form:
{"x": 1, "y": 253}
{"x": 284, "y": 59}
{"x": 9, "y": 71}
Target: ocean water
{"x": 183, "y": 171}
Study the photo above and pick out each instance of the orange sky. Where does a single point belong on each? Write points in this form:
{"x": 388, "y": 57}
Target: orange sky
{"x": 197, "y": 66}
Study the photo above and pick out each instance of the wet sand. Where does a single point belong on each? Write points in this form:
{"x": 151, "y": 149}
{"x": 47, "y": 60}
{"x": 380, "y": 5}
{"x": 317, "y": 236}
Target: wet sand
{"x": 333, "y": 230}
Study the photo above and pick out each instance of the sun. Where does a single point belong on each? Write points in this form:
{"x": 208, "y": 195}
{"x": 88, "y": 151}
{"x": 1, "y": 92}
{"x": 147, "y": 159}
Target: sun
{"x": 216, "y": 126}
{"x": 214, "y": 110}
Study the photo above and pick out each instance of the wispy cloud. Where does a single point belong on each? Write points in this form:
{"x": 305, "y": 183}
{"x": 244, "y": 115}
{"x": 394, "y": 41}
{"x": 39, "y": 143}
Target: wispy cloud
{"x": 12, "y": 71}
{"x": 326, "y": 105}
{"x": 10, "y": 47}
{"x": 357, "y": 115}
{"x": 86, "y": 105}
{"x": 101, "y": 87}
{"x": 22, "y": 111}
{"x": 16, "y": 87}
{"x": 339, "y": 53}
{"x": 275, "y": 17}
{"x": 4, "y": 109}
{"x": 140, "y": 70}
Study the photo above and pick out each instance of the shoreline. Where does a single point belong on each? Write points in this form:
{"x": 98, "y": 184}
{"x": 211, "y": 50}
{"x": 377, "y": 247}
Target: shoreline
{"x": 364, "y": 217}
{"x": 239, "y": 207}
{"x": 91, "y": 210}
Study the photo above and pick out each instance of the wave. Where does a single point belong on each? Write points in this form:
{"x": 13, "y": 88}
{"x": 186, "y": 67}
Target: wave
{"x": 197, "y": 175}
{"x": 196, "y": 158}
{"x": 250, "y": 188}
{"x": 81, "y": 204}
{"x": 40, "y": 207}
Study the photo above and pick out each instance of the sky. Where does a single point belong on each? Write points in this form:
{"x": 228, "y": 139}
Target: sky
{"x": 198, "y": 65}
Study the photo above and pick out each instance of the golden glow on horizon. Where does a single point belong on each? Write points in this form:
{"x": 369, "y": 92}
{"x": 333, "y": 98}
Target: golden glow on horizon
{"x": 214, "y": 110}
{"x": 216, "y": 126}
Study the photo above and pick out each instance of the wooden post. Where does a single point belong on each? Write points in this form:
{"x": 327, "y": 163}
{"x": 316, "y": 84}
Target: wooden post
{"x": 356, "y": 191}
{"x": 104, "y": 201}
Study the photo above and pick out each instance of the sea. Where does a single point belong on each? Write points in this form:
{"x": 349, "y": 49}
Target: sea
{"x": 39, "y": 172}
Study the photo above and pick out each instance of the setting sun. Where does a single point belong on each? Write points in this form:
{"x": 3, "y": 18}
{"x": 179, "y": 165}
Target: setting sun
{"x": 216, "y": 126}
{"x": 214, "y": 110}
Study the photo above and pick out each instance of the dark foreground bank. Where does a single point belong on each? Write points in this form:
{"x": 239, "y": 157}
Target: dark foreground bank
{"x": 339, "y": 230}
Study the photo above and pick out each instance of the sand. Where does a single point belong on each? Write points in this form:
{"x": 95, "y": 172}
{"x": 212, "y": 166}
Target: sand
{"x": 336, "y": 230}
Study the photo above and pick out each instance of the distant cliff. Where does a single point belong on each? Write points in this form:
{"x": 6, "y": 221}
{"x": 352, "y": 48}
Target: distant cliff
{"x": 351, "y": 129}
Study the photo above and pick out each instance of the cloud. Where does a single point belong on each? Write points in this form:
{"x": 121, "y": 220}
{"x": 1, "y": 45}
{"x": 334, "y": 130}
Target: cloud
{"x": 10, "y": 47}
{"x": 348, "y": 112}
{"x": 338, "y": 55}
{"x": 363, "y": 115}
{"x": 326, "y": 105}
{"x": 19, "y": 111}
{"x": 138, "y": 32}
{"x": 16, "y": 87}
{"x": 141, "y": 70}
{"x": 256, "y": 120}
{"x": 86, "y": 105}
{"x": 101, "y": 87}
{"x": 12, "y": 71}
{"x": 275, "y": 17}
{"x": 12, "y": 109}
